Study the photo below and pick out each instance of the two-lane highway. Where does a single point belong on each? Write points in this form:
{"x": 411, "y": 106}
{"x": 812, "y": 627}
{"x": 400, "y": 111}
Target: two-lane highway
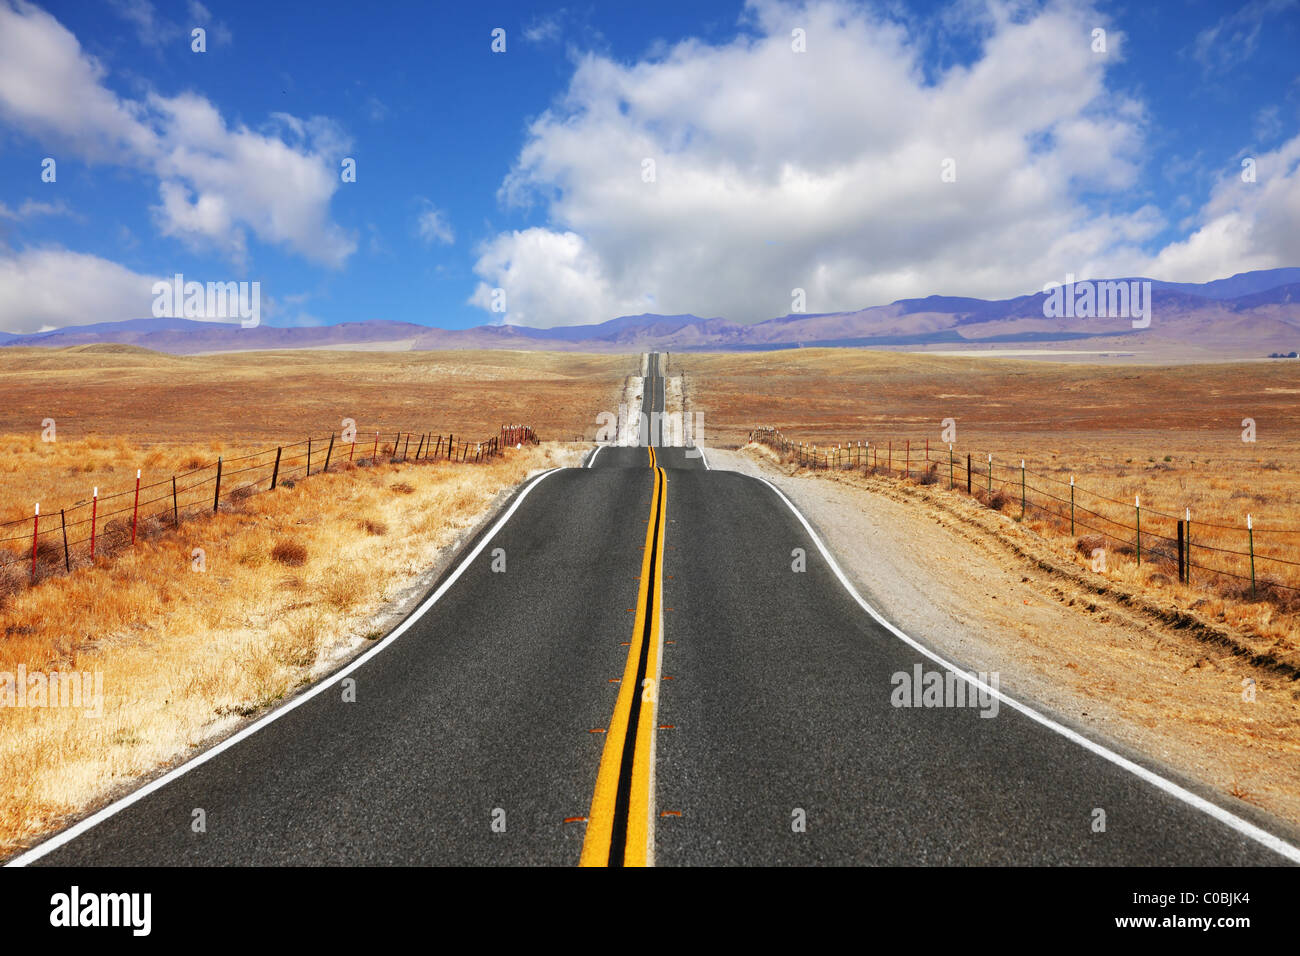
{"x": 668, "y": 670}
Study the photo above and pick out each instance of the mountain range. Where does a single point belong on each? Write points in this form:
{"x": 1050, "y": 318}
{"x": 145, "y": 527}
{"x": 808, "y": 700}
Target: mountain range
{"x": 1246, "y": 315}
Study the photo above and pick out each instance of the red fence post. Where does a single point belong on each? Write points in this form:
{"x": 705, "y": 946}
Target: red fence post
{"x": 135, "y": 513}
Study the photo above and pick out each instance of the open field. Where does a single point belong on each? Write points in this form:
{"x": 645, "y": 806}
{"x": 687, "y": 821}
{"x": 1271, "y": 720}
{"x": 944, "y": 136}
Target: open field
{"x": 118, "y": 408}
{"x": 188, "y": 646}
{"x": 266, "y": 397}
{"x": 1172, "y": 435}
{"x": 1113, "y": 414}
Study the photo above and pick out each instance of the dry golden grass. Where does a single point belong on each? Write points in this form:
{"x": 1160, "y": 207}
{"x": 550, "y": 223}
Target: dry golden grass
{"x": 185, "y": 653}
{"x": 1172, "y": 435}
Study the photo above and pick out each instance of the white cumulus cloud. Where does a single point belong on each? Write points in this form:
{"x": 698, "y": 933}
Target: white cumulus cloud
{"x": 1244, "y": 225}
{"x": 775, "y": 170}
{"x": 41, "y": 289}
{"x": 217, "y": 183}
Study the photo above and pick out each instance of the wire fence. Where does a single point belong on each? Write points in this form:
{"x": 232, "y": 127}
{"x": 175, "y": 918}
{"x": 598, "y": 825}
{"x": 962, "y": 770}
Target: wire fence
{"x": 53, "y": 541}
{"x": 1240, "y": 560}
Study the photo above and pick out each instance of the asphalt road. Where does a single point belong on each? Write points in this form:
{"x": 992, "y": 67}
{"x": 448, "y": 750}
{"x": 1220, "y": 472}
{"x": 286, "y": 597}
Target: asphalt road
{"x": 667, "y": 670}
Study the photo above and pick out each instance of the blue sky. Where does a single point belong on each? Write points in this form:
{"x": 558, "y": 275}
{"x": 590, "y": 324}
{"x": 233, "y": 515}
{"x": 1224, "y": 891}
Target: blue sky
{"x": 774, "y": 168}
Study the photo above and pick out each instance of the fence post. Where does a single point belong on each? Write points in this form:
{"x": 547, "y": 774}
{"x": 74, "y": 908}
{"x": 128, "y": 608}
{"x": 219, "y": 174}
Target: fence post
{"x": 1189, "y": 547}
{"x": 405, "y": 448}
{"x": 395, "y": 442}
{"x": 275, "y": 472}
{"x": 1181, "y": 567}
{"x": 352, "y": 447}
{"x": 968, "y": 473}
{"x": 94, "y": 507}
{"x": 1137, "y": 511}
{"x": 420, "y": 447}
{"x": 216, "y": 495}
{"x": 36, "y": 522}
{"x": 927, "y": 451}
{"x": 1249, "y": 528}
{"x": 135, "y": 513}
{"x": 67, "y": 561}
{"x": 450, "y": 452}
{"x": 308, "y": 472}
{"x": 949, "y": 466}
{"x": 374, "y": 455}
{"x": 1022, "y": 489}
{"x": 990, "y": 473}
{"x": 176, "y": 511}
{"x": 1072, "y": 506}
{"x": 329, "y": 452}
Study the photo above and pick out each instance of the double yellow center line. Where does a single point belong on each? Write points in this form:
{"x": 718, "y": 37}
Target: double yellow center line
{"x": 620, "y": 831}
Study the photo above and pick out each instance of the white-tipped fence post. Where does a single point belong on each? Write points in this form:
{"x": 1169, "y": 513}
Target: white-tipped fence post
{"x": 1072, "y": 506}
{"x": 135, "y": 513}
{"x": 1137, "y": 511}
{"x": 1250, "y": 529}
{"x": 36, "y": 521}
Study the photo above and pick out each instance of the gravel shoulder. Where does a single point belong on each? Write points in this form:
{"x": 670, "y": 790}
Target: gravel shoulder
{"x": 987, "y": 593}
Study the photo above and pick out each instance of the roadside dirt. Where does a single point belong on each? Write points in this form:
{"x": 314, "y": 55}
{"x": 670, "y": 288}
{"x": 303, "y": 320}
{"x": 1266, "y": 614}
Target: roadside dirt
{"x": 1155, "y": 684}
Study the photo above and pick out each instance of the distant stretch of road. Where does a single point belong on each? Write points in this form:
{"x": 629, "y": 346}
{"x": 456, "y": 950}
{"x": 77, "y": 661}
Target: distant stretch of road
{"x": 669, "y": 670}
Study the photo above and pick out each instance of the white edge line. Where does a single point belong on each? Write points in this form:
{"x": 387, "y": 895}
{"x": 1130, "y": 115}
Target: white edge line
{"x": 67, "y": 836}
{"x": 592, "y": 460}
{"x": 1231, "y": 820}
